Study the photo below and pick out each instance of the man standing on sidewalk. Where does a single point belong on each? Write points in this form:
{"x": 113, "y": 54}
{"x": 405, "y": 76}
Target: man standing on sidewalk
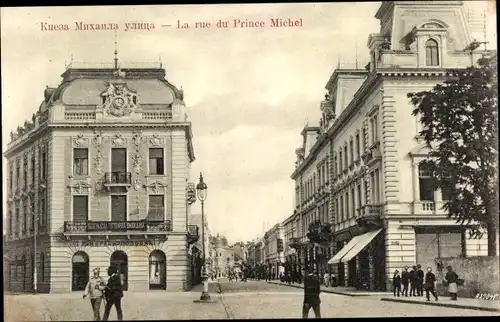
{"x": 114, "y": 294}
{"x": 430, "y": 284}
{"x": 405, "y": 280}
{"x": 95, "y": 288}
{"x": 312, "y": 288}
{"x": 420, "y": 280}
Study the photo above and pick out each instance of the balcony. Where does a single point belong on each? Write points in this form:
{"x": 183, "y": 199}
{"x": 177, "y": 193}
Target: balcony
{"x": 192, "y": 234}
{"x": 294, "y": 242}
{"x": 369, "y": 215}
{"x": 191, "y": 193}
{"x": 117, "y": 179}
{"x": 138, "y": 227}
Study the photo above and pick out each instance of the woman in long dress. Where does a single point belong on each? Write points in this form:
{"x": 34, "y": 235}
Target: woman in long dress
{"x": 451, "y": 279}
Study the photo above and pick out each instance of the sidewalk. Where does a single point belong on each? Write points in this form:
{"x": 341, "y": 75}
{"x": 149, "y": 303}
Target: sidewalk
{"x": 461, "y": 303}
{"x": 336, "y": 290}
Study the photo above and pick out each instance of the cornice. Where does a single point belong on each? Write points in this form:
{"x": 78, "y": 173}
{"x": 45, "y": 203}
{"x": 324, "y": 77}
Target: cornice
{"x": 119, "y": 125}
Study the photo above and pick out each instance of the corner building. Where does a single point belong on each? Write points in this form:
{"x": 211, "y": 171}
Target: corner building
{"x": 383, "y": 210}
{"x": 98, "y": 177}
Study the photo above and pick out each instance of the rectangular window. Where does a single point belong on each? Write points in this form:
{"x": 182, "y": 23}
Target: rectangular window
{"x": 351, "y": 150}
{"x": 33, "y": 169}
{"x": 18, "y": 174}
{"x": 25, "y": 172}
{"x": 425, "y": 183}
{"x": 156, "y": 209}
{"x": 360, "y": 201}
{"x": 80, "y": 208}
{"x": 341, "y": 208}
{"x": 156, "y": 161}
{"x": 358, "y": 147}
{"x": 335, "y": 166}
{"x": 118, "y": 208}
{"x": 43, "y": 165}
{"x": 337, "y": 213}
{"x": 378, "y": 189}
{"x": 347, "y": 208}
{"x": 11, "y": 180}
{"x": 18, "y": 220}
{"x": 119, "y": 160}
{"x": 25, "y": 217}
{"x": 81, "y": 162}
{"x": 374, "y": 122}
{"x": 43, "y": 211}
{"x": 373, "y": 188}
{"x": 353, "y": 202}
{"x": 346, "y": 156}
{"x": 340, "y": 160}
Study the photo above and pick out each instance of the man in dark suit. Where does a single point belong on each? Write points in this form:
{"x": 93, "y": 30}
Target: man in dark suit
{"x": 114, "y": 294}
{"x": 420, "y": 281}
{"x": 405, "y": 280}
{"x": 413, "y": 281}
{"x": 312, "y": 288}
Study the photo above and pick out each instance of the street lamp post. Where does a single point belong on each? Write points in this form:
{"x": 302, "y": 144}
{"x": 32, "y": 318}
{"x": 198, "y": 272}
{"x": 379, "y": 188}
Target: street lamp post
{"x": 201, "y": 192}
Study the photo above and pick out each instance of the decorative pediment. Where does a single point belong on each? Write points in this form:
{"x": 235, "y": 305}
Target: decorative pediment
{"x": 156, "y": 140}
{"x": 80, "y": 141}
{"x": 420, "y": 150}
{"x": 80, "y": 187}
{"x": 118, "y": 100}
{"x": 156, "y": 187}
{"x": 118, "y": 141}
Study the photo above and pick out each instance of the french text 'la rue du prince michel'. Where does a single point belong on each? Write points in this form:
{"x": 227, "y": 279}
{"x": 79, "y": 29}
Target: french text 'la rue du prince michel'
{"x": 137, "y": 26}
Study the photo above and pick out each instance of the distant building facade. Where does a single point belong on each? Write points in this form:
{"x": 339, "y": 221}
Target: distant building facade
{"x": 275, "y": 244}
{"x": 99, "y": 177}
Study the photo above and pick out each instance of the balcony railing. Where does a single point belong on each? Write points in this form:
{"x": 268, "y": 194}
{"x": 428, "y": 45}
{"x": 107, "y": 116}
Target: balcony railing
{"x": 116, "y": 226}
{"x": 118, "y": 178}
{"x": 294, "y": 242}
{"x": 190, "y": 193}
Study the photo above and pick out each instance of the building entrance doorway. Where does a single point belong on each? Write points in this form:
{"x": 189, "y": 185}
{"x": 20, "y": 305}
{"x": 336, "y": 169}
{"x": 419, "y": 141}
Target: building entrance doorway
{"x": 80, "y": 271}
{"x": 120, "y": 260}
{"x": 157, "y": 271}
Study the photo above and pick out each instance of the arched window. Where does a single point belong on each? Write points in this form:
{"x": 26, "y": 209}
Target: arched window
{"x": 432, "y": 53}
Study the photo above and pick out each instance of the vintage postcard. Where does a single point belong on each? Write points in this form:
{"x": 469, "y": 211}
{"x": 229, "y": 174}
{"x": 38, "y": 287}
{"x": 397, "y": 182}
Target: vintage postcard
{"x": 250, "y": 161}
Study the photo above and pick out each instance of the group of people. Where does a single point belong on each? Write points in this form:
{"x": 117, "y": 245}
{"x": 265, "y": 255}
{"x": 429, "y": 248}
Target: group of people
{"x": 111, "y": 292}
{"x": 417, "y": 281}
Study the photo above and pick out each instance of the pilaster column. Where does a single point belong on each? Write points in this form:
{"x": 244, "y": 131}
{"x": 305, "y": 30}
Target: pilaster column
{"x": 416, "y": 197}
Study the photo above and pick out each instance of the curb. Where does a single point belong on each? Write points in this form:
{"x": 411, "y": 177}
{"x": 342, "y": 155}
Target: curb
{"x": 329, "y": 291}
{"x": 456, "y": 306}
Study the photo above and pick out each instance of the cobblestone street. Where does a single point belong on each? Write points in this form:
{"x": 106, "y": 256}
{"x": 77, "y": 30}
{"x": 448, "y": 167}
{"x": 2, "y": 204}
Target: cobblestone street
{"x": 252, "y": 299}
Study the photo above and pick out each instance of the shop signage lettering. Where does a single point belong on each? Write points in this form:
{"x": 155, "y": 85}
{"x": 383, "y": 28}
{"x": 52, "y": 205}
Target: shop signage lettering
{"x": 115, "y": 225}
{"x": 98, "y": 243}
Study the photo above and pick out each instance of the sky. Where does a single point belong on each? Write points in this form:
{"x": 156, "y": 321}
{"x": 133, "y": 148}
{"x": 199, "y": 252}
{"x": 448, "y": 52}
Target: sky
{"x": 249, "y": 91}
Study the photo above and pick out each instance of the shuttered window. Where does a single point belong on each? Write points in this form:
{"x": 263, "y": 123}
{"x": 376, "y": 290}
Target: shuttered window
{"x": 80, "y": 208}
{"x": 432, "y": 53}
{"x": 156, "y": 207}
{"x": 81, "y": 162}
{"x": 156, "y": 161}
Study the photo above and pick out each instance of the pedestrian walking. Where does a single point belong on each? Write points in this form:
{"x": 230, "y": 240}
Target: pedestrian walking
{"x": 430, "y": 284}
{"x": 405, "y": 280}
{"x": 396, "y": 283}
{"x": 413, "y": 281}
{"x": 451, "y": 279}
{"x": 95, "y": 288}
{"x": 420, "y": 280}
{"x": 326, "y": 279}
{"x": 114, "y": 294}
{"x": 312, "y": 288}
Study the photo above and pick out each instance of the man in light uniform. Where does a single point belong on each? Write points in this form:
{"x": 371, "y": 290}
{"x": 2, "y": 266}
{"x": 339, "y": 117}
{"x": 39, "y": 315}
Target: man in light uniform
{"x": 95, "y": 288}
